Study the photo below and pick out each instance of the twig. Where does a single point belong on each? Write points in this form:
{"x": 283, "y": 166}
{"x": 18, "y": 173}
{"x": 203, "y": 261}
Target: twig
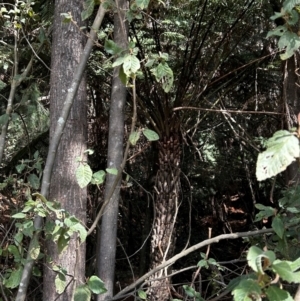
{"x": 184, "y": 253}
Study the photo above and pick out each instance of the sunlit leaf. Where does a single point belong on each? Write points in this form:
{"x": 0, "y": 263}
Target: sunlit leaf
{"x": 134, "y": 137}
{"x": 112, "y": 171}
{"x": 282, "y": 150}
{"x": 96, "y": 285}
{"x": 150, "y": 135}
{"x": 83, "y": 175}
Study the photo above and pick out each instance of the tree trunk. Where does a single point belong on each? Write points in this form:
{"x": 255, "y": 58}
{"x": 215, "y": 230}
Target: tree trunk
{"x": 107, "y": 236}
{"x": 67, "y": 46}
{"x": 166, "y": 207}
{"x": 291, "y": 97}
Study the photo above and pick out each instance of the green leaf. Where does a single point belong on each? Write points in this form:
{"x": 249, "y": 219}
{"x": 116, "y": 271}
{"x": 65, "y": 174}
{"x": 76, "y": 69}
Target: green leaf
{"x": 258, "y": 260}
{"x": 19, "y": 215}
{"x": 288, "y": 5}
{"x": 98, "y": 177}
{"x": 123, "y": 77}
{"x": 83, "y": 175}
{"x": 34, "y": 250}
{"x": 3, "y": 119}
{"x": 142, "y": 295}
{"x": 285, "y": 272}
{"x": 278, "y": 31}
{"x": 274, "y": 293}
{"x": 291, "y": 42}
{"x": 111, "y": 47}
{"x": 134, "y": 137}
{"x": 112, "y": 171}
{"x": 142, "y": 4}
{"x": 81, "y": 231}
{"x": 150, "y": 135}
{"x": 119, "y": 61}
{"x": 82, "y": 293}
{"x": 14, "y": 279}
{"x": 88, "y": 9}
{"x": 20, "y": 167}
{"x": 131, "y": 65}
{"x": 278, "y": 226}
{"x": 14, "y": 251}
{"x": 282, "y": 150}
{"x": 34, "y": 181}
{"x": 202, "y": 263}
{"x": 62, "y": 242}
{"x": 2, "y": 86}
{"x": 163, "y": 73}
{"x": 60, "y": 282}
{"x": 247, "y": 290}
{"x": 96, "y": 285}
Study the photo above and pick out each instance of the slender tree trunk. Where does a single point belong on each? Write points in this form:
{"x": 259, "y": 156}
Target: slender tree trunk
{"x": 166, "y": 207}
{"x": 107, "y": 236}
{"x": 67, "y": 46}
{"x": 291, "y": 97}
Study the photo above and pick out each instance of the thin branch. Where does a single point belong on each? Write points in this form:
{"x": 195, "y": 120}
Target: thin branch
{"x": 227, "y": 111}
{"x": 184, "y": 253}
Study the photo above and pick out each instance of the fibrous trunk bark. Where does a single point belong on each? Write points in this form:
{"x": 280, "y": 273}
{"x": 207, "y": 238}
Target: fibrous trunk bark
{"x": 67, "y": 47}
{"x": 107, "y": 236}
{"x": 166, "y": 207}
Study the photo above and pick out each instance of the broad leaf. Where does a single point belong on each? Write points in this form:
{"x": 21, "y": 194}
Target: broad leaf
{"x": 112, "y": 171}
{"x": 14, "y": 279}
{"x": 19, "y": 215}
{"x": 278, "y": 226}
{"x": 83, "y": 175}
{"x": 96, "y": 285}
{"x": 60, "y": 282}
{"x": 88, "y": 9}
{"x": 142, "y": 4}
{"x": 285, "y": 272}
{"x": 282, "y": 150}
{"x": 142, "y": 295}
{"x": 274, "y": 293}
{"x": 131, "y": 65}
{"x": 134, "y": 137}
{"x": 111, "y": 47}
{"x": 247, "y": 289}
{"x": 82, "y": 293}
{"x": 34, "y": 181}
{"x": 259, "y": 259}
{"x": 98, "y": 177}
{"x": 150, "y": 135}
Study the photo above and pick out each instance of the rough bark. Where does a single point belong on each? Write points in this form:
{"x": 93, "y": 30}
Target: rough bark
{"x": 107, "y": 235}
{"x": 166, "y": 206}
{"x": 67, "y": 47}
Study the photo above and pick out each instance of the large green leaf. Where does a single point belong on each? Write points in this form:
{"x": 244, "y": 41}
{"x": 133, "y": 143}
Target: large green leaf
{"x": 274, "y": 293}
{"x": 150, "y": 135}
{"x": 142, "y": 4}
{"x": 278, "y": 226}
{"x": 88, "y": 9}
{"x": 34, "y": 181}
{"x": 247, "y": 289}
{"x": 14, "y": 278}
{"x": 82, "y": 293}
{"x": 259, "y": 259}
{"x": 60, "y": 282}
{"x": 131, "y": 65}
{"x": 98, "y": 177}
{"x": 282, "y": 150}
{"x": 96, "y": 285}
{"x": 83, "y": 175}
{"x": 284, "y": 270}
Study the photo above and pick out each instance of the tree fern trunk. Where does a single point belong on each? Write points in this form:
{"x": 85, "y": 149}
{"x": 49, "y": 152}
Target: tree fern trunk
{"x": 166, "y": 205}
